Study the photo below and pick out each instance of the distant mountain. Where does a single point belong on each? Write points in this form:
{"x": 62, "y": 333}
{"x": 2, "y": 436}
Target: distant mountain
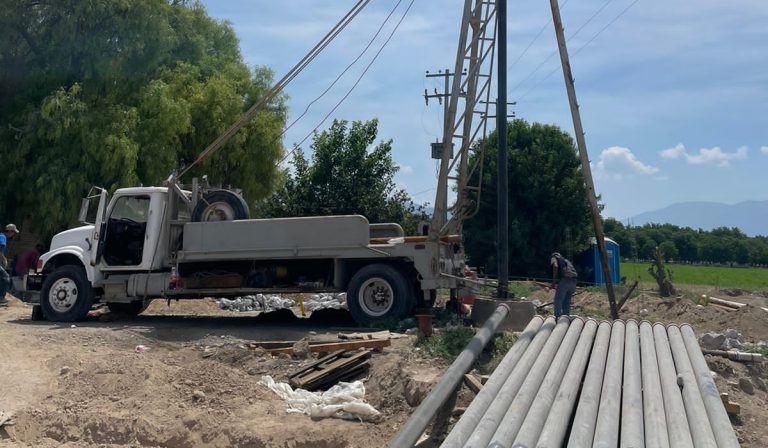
{"x": 749, "y": 216}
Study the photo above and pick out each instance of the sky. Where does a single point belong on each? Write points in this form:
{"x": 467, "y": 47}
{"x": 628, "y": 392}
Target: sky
{"x": 673, "y": 93}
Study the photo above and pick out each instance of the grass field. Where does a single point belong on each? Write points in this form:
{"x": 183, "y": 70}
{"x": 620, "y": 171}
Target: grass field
{"x": 749, "y": 278}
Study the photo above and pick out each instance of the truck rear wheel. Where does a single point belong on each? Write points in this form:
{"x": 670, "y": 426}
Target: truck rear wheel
{"x": 378, "y": 292}
{"x": 220, "y": 205}
{"x": 66, "y": 295}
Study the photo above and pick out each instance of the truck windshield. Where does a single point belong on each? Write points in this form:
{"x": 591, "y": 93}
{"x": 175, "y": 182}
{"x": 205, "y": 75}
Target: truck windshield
{"x": 134, "y": 208}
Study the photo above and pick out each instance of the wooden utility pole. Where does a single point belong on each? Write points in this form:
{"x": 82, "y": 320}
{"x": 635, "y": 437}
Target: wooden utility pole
{"x": 597, "y": 221}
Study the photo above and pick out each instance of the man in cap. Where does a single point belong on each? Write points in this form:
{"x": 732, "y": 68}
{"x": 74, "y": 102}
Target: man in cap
{"x": 564, "y": 280}
{"x": 5, "y": 280}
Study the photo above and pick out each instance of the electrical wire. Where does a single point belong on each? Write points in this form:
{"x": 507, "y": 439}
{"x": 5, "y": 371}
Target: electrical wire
{"x": 394, "y": 30}
{"x": 345, "y": 70}
{"x": 535, "y": 38}
{"x": 551, "y": 55}
{"x": 579, "y": 49}
{"x": 244, "y": 119}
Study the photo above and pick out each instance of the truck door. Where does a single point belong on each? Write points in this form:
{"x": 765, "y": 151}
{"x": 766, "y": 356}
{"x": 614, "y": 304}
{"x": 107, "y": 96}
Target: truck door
{"x": 125, "y": 231}
{"x": 98, "y": 227}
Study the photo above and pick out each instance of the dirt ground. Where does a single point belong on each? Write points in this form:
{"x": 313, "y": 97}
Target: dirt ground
{"x": 84, "y": 385}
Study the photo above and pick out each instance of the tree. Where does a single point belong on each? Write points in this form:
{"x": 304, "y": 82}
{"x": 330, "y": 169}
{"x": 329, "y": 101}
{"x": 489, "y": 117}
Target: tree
{"x": 668, "y": 250}
{"x": 345, "y": 176}
{"x": 547, "y": 201}
{"x": 119, "y": 94}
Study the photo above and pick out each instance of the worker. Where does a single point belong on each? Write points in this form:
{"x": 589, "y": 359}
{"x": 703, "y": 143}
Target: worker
{"x": 5, "y": 280}
{"x": 563, "y": 282}
{"x": 28, "y": 260}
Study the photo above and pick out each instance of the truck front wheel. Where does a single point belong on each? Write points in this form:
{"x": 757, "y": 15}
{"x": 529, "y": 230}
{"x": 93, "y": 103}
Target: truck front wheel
{"x": 377, "y": 292}
{"x": 66, "y": 295}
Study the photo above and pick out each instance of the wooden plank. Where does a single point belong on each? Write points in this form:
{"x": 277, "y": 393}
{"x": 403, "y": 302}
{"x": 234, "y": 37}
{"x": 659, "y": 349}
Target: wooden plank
{"x": 473, "y": 383}
{"x": 269, "y": 345}
{"x": 331, "y": 347}
{"x": 315, "y": 364}
{"x": 338, "y": 364}
{"x": 730, "y": 406}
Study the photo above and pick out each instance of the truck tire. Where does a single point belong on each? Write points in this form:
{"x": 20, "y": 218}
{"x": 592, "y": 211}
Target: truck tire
{"x": 132, "y": 309}
{"x": 220, "y": 205}
{"x": 66, "y": 295}
{"x": 379, "y": 292}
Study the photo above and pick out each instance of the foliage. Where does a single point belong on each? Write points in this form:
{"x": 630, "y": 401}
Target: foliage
{"x": 722, "y": 245}
{"x": 501, "y": 343}
{"x": 686, "y": 274}
{"x": 548, "y": 209}
{"x": 345, "y": 176}
{"x": 446, "y": 344}
{"x": 662, "y": 275}
{"x": 118, "y": 93}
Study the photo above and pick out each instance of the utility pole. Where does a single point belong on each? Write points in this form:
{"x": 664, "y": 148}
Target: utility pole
{"x": 438, "y": 147}
{"x": 597, "y": 221}
{"x": 502, "y": 208}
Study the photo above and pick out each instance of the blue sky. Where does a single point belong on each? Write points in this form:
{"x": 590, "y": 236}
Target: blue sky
{"x": 673, "y": 94}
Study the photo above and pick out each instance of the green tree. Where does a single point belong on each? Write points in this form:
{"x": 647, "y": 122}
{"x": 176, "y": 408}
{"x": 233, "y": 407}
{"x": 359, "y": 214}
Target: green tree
{"x": 547, "y": 201}
{"x": 668, "y": 250}
{"x": 345, "y": 175}
{"x": 118, "y": 93}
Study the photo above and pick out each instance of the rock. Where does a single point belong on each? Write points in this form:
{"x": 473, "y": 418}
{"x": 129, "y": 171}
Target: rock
{"x": 411, "y": 331}
{"x": 65, "y": 370}
{"x": 259, "y": 351}
{"x": 301, "y": 349}
{"x": 760, "y": 384}
{"x": 458, "y": 412}
{"x": 198, "y": 395}
{"x": 746, "y": 385}
{"x": 416, "y": 391}
{"x": 733, "y": 334}
{"x": 712, "y": 341}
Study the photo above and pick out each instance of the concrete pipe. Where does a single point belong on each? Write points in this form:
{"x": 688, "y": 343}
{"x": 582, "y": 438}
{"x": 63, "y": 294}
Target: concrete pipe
{"x": 423, "y": 415}
{"x": 607, "y": 429}
{"x": 701, "y": 431}
{"x": 677, "y": 422}
{"x": 632, "y": 432}
{"x": 653, "y": 403}
{"x": 471, "y": 417}
{"x": 718, "y": 418}
{"x": 542, "y": 353}
{"x": 583, "y": 429}
{"x": 564, "y": 402}
{"x": 527, "y": 426}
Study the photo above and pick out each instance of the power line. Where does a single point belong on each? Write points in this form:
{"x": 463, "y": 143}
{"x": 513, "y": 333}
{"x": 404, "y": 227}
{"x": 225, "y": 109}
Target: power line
{"x": 580, "y": 48}
{"x": 394, "y": 30}
{"x": 551, "y": 55}
{"x": 530, "y": 44}
{"x": 345, "y": 70}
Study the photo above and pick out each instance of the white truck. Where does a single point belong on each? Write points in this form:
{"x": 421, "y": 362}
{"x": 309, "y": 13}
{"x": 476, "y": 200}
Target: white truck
{"x": 166, "y": 242}
{"x": 174, "y": 242}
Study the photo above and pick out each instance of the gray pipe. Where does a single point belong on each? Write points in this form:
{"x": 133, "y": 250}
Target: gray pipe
{"x": 674, "y": 410}
{"x": 701, "y": 431}
{"x": 607, "y": 429}
{"x": 549, "y": 340}
{"x": 734, "y": 355}
{"x": 463, "y": 428}
{"x": 423, "y": 415}
{"x": 544, "y": 378}
{"x": 583, "y": 429}
{"x": 632, "y": 432}
{"x": 718, "y": 418}
{"x": 559, "y": 403}
{"x": 653, "y": 403}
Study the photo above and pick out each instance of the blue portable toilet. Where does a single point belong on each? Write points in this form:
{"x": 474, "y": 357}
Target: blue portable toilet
{"x": 590, "y": 259}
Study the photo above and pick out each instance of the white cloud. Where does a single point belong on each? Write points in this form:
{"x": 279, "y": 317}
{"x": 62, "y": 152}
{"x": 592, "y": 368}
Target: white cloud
{"x": 705, "y": 156}
{"x": 764, "y": 150}
{"x": 617, "y": 161}
{"x": 405, "y": 169}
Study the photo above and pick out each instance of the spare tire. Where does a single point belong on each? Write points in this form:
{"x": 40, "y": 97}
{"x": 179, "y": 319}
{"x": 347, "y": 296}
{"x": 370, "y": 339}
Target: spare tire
{"x": 220, "y": 205}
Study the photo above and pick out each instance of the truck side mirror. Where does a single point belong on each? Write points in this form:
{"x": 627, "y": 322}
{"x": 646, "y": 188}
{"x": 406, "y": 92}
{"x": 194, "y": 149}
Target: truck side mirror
{"x": 83, "y": 216}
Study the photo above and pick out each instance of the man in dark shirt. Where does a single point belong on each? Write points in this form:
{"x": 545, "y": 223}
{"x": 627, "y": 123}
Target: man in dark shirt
{"x": 5, "y": 280}
{"x": 564, "y": 280}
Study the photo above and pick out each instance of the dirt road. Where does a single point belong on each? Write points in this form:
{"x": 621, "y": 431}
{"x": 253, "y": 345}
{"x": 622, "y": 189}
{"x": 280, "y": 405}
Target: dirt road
{"x": 84, "y": 385}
